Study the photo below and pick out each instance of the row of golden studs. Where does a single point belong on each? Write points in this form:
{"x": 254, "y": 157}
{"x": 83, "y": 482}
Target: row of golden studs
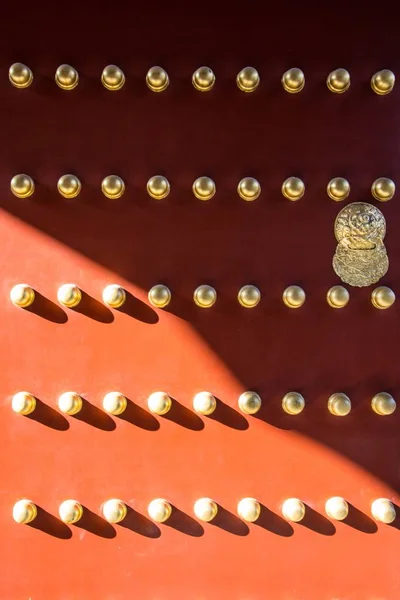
{"x": 159, "y": 510}
{"x": 204, "y": 296}
{"x": 248, "y": 79}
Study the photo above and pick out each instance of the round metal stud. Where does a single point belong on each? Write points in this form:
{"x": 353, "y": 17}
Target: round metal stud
{"x": 114, "y": 510}
{"x": 337, "y": 296}
{"x": 203, "y": 79}
{"x": 337, "y": 508}
{"x": 205, "y": 296}
{"x": 158, "y": 187}
{"x": 157, "y": 79}
{"x": 204, "y": 188}
{"x": 70, "y": 403}
{"x": 338, "y": 189}
{"x": 249, "y": 189}
{"x": 383, "y": 81}
{"x": 22, "y": 295}
{"x": 69, "y": 186}
{"x": 338, "y": 81}
{"x": 293, "y": 80}
{"x": 20, "y": 75}
{"x": 69, "y": 295}
{"x": 205, "y": 509}
{"x": 159, "y": 403}
{"x": 249, "y": 509}
{"x": 112, "y": 78}
{"x": 114, "y": 403}
{"x": 204, "y": 403}
{"x": 339, "y": 405}
{"x": 67, "y": 77}
{"x": 293, "y": 403}
{"x": 113, "y": 187}
{"x": 383, "y": 510}
{"x": 248, "y": 79}
{"x": 293, "y": 188}
{"x": 249, "y": 296}
{"x": 22, "y": 186}
{"x": 24, "y": 511}
{"x": 159, "y": 510}
{"x": 23, "y": 403}
{"x": 383, "y": 297}
{"x": 383, "y": 189}
{"x": 70, "y": 511}
{"x": 293, "y": 510}
{"x": 294, "y": 296}
{"x": 114, "y": 296}
{"x": 249, "y": 403}
{"x": 383, "y": 404}
{"x": 159, "y": 296}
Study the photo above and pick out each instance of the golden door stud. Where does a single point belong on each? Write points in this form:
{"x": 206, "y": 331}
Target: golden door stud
{"x": 383, "y": 297}
{"x": 293, "y": 188}
{"x": 159, "y": 403}
{"x": 20, "y": 75}
{"x": 24, "y": 511}
{"x": 114, "y": 295}
{"x": 113, "y": 187}
{"x": 203, "y": 79}
{"x": 248, "y": 79}
{"x": 159, "y": 510}
{"x": 114, "y": 510}
{"x": 205, "y": 296}
{"x": 338, "y": 189}
{"x": 249, "y": 403}
{"x": 112, "y": 78}
{"x": 66, "y": 77}
{"x": 204, "y": 188}
{"x": 249, "y": 296}
{"x": 383, "y": 510}
{"x": 338, "y": 81}
{"x": 293, "y": 80}
{"x": 293, "y": 510}
{"x": 69, "y": 186}
{"x": 293, "y": 403}
{"x": 158, "y": 187}
{"x": 159, "y": 296}
{"x": 23, "y": 403}
{"x": 114, "y": 403}
{"x": 339, "y": 404}
{"x": 69, "y": 295}
{"x": 204, "y": 403}
{"x": 22, "y": 295}
{"x": 383, "y": 81}
{"x": 294, "y": 296}
{"x": 205, "y": 509}
{"x": 249, "y": 509}
{"x": 22, "y": 186}
{"x": 383, "y": 189}
{"x": 70, "y": 403}
{"x": 383, "y": 404}
{"x": 337, "y": 296}
{"x": 157, "y": 79}
{"x": 336, "y": 508}
{"x": 70, "y": 511}
{"x": 249, "y": 189}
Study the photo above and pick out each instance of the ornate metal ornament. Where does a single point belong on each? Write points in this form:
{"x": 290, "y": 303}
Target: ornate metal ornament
{"x": 360, "y": 258}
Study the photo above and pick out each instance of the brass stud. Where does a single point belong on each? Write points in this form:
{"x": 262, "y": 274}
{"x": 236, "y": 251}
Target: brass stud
{"x": 249, "y": 403}
{"x": 114, "y": 296}
{"x": 159, "y": 510}
{"x": 204, "y": 188}
{"x": 157, "y": 79}
{"x": 337, "y": 296}
{"x": 24, "y": 511}
{"x": 112, "y": 78}
{"x": 248, "y": 79}
{"x": 114, "y": 510}
{"x": 22, "y": 295}
{"x": 383, "y": 510}
{"x": 383, "y": 81}
{"x": 383, "y": 189}
{"x": 293, "y": 510}
{"x": 69, "y": 295}
{"x": 383, "y": 297}
{"x": 158, "y": 187}
{"x": 23, "y": 403}
{"x": 69, "y": 186}
{"x": 338, "y": 81}
{"x": 20, "y": 75}
{"x": 249, "y": 189}
{"x": 293, "y": 188}
{"x": 293, "y": 403}
{"x": 249, "y": 296}
{"x": 67, "y": 77}
{"x": 293, "y": 81}
{"x": 339, "y": 405}
{"x": 159, "y": 403}
{"x": 70, "y": 403}
{"x": 338, "y": 189}
{"x": 383, "y": 404}
{"x": 22, "y": 186}
{"x": 249, "y": 509}
{"x": 113, "y": 187}
{"x": 159, "y": 296}
{"x": 114, "y": 403}
{"x": 205, "y": 509}
{"x": 205, "y": 296}
{"x": 70, "y": 511}
{"x": 203, "y": 79}
{"x": 204, "y": 403}
{"x": 294, "y": 296}
{"x": 336, "y": 508}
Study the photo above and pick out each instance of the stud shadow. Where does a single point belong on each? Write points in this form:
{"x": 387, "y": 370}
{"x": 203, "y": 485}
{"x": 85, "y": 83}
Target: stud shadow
{"x": 181, "y": 415}
{"x": 139, "y": 310}
{"x": 51, "y": 525}
{"x": 272, "y": 522}
{"x": 92, "y": 308}
{"x": 184, "y": 523}
{"x": 136, "y": 415}
{"x": 316, "y": 522}
{"x": 229, "y": 522}
{"x": 96, "y": 524}
{"x": 396, "y": 522}
{"x": 229, "y": 416}
{"x": 46, "y": 415}
{"x": 360, "y": 521}
{"x": 95, "y": 417}
{"x": 45, "y": 308}
{"x": 140, "y": 524}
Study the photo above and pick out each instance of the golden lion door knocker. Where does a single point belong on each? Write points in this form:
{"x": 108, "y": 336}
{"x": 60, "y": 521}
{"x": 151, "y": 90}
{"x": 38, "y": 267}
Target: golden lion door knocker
{"x": 360, "y": 258}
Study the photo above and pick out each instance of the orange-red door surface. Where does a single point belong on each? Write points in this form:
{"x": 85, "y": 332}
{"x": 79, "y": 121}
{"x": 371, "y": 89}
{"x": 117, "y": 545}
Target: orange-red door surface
{"x": 182, "y": 242}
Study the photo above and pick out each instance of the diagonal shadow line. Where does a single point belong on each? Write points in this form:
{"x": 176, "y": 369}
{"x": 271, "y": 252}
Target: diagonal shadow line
{"x": 50, "y": 524}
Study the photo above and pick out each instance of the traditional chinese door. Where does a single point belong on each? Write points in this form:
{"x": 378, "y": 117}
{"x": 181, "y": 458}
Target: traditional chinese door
{"x": 65, "y": 220}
